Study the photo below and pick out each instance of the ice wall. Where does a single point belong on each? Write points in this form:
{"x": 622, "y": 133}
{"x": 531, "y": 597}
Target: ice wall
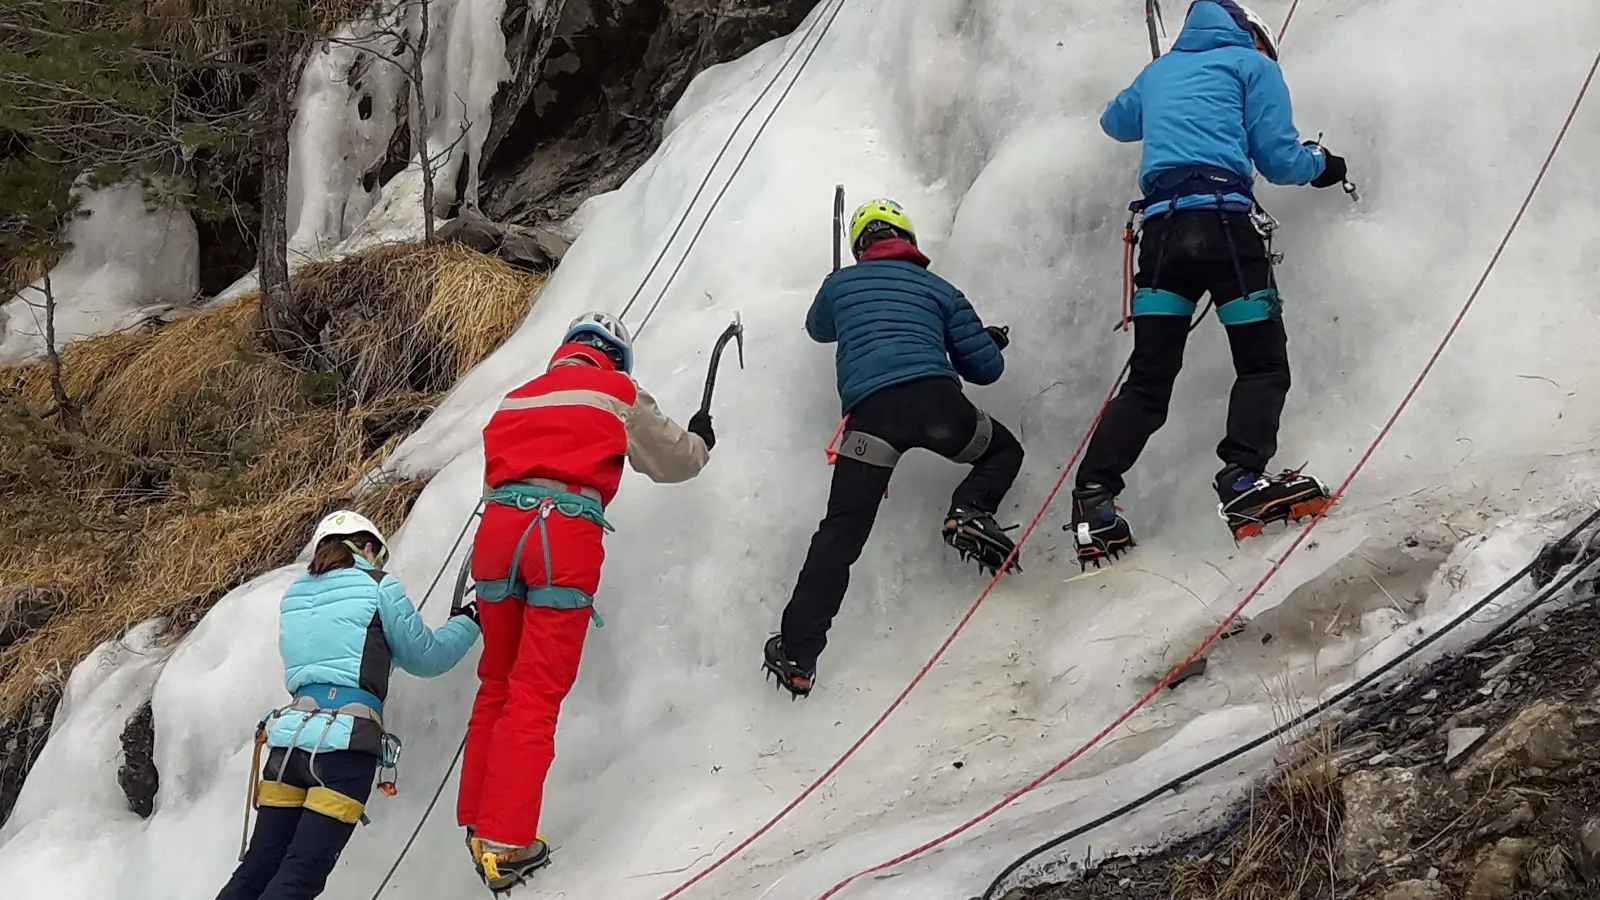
{"x": 980, "y": 117}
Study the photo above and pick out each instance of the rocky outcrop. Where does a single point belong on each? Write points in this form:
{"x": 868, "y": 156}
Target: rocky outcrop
{"x": 1479, "y": 781}
{"x": 25, "y": 611}
{"x": 1418, "y": 889}
{"x": 137, "y": 775}
{"x": 22, "y": 738}
{"x": 592, "y": 89}
{"x": 1378, "y": 805}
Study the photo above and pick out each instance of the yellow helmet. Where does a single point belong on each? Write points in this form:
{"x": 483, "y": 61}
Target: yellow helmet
{"x": 886, "y": 212}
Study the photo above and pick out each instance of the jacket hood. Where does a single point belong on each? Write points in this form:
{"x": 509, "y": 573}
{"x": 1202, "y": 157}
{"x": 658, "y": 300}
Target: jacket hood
{"x": 895, "y": 248}
{"x": 1210, "y": 26}
{"x": 578, "y": 354}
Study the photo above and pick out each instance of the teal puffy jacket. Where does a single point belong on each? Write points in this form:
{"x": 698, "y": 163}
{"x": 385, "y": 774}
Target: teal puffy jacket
{"x": 348, "y": 629}
{"x": 896, "y": 322}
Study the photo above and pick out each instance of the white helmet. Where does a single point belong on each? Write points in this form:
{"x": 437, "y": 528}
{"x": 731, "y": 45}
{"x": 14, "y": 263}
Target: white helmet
{"x": 1253, "y": 23}
{"x": 609, "y": 330}
{"x": 347, "y": 522}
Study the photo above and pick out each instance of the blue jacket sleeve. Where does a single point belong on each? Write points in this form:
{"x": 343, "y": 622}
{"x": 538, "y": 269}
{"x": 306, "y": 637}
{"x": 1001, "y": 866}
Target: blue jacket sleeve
{"x": 974, "y": 354}
{"x": 1123, "y": 119}
{"x": 418, "y": 649}
{"x": 1275, "y": 145}
{"x": 819, "y": 319}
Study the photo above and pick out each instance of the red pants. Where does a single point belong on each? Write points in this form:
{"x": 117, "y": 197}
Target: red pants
{"x": 530, "y": 660}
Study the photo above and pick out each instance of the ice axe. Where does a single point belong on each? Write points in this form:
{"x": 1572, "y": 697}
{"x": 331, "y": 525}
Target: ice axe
{"x": 838, "y": 224}
{"x": 1152, "y": 15}
{"x": 734, "y": 332}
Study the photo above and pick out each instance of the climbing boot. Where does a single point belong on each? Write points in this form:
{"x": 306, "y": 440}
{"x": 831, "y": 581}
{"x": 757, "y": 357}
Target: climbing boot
{"x": 1097, "y": 526}
{"x": 503, "y": 866}
{"x": 1251, "y": 500}
{"x": 976, "y": 536}
{"x": 791, "y": 676}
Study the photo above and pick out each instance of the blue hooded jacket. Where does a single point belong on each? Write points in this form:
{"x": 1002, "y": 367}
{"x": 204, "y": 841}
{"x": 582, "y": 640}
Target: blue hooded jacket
{"x": 895, "y": 322}
{"x": 348, "y": 629}
{"x": 1214, "y": 101}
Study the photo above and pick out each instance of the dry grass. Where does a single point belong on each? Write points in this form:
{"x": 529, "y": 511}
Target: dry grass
{"x": 1287, "y": 846}
{"x": 16, "y": 274}
{"x": 198, "y": 461}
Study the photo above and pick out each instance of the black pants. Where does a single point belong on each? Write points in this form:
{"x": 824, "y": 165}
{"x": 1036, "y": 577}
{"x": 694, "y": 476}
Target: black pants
{"x": 1191, "y": 253}
{"x": 932, "y": 414}
{"x": 293, "y": 850}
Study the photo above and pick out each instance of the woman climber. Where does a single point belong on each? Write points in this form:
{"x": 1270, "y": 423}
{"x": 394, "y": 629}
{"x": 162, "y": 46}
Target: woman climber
{"x": 553, "y": 456}
{"x": 343, "y": 625}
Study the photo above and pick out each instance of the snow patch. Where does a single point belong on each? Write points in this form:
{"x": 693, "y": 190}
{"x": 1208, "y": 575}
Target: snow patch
{"x": 132, "y": 257}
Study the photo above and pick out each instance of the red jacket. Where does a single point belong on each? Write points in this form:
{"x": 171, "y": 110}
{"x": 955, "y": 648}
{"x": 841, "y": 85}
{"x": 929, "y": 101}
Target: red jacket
{"x": 578, "y": 421}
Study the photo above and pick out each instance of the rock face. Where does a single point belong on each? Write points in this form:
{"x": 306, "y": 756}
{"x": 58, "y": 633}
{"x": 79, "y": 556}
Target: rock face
{"x": 1418, "y": 890}
{"x": 25, "y": 611}
{"x": 593, "y": 83}
{"x": 1546, "y": 738}
{"x": 1498, "y": 869}
{"x": 1589, "y": 849}
{"x": 1378, "y": 805}
{"x": 137, "y": 774}
{"x": 22, "y": 738}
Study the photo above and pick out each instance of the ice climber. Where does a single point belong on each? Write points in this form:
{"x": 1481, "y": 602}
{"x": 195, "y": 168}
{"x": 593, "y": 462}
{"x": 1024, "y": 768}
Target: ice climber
{"x": 554, "y": 454}
{"x": 343, "y": 625}
{"x": 1206, "y": 111}
{"x": 906, "y": 338}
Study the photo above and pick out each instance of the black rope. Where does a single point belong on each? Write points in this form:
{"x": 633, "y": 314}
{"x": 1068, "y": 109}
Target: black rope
{"x": 740, "y": 165}
{"x": 428, "y": 594}
{"x": 1355, "y": 687}
{"x": 422, "y": 821}
{"x": 839, "y": 5}
{"x": 711, "y": 169}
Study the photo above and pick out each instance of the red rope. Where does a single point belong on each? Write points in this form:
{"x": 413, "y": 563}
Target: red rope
{"x": 928, "y": 666}
{"x": 1299, "y": 539}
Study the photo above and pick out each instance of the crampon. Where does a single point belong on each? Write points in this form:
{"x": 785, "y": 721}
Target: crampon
{"x": 1286, "y": 497}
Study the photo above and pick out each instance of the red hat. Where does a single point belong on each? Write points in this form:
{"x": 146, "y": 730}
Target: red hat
{"x": 571, "y": 352}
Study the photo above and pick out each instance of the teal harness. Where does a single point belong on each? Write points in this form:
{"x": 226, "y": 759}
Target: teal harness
{"x": 530, "y": 497}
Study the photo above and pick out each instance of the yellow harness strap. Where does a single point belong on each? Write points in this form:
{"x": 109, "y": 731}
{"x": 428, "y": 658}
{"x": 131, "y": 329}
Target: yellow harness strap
{"x": 279, "y": 794}
{"x": 334, "y": 805}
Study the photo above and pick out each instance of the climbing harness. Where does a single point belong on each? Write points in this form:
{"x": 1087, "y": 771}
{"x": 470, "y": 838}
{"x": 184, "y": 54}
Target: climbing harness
{"x": 1193, "y": 182}
{"x": 544, "y": 496}
{"x": 324, "y": 702}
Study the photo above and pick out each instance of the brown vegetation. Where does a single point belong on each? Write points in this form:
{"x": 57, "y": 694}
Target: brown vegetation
{"x": 192, "y": 460}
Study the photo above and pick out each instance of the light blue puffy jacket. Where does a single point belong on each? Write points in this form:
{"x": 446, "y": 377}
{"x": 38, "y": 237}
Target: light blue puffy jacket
{"x": 348, "y": 629}
{"x": 1213, "y": 101}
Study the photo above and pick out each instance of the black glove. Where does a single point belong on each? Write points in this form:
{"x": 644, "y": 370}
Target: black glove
{"x": 700, "y": 424}
{"x": 1333, "y": 173}
{"x": 1001, "y": 335}
{"x": 468, "y": 609}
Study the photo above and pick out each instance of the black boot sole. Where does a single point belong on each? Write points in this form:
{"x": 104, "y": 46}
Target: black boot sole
{"x": 787, "y": 682}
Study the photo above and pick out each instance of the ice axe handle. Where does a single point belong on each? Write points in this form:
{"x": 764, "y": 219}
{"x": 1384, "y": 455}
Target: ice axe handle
{"x": 734, "y": 332}
{"x": 838, "y": 225}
